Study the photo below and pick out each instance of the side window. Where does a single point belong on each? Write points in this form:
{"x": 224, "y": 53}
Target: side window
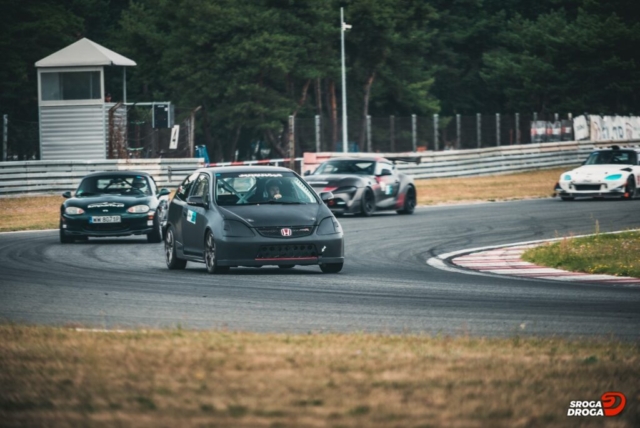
{"x": 184, "y": 188}
{"x": 383, "y": 165}
{"x": 201, "y": 188}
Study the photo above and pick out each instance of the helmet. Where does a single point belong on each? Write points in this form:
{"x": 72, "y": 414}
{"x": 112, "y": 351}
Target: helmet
{"x": 138, "y": 183}
{"x": 273, "y": 182}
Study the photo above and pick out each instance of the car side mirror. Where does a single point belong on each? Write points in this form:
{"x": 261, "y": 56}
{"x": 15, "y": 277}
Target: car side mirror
{"x": 163, "y": 192}
{"x": 197, "y": 201}
{"x": 385, "y": 171}
{"x": 67, "y": 194}
{"x": 326, "y": 196}
{"x": 307, "y": 172}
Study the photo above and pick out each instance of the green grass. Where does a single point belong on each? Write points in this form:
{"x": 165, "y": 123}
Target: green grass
{"x": 613, "y": 254}
{"x": 183, "y": 378}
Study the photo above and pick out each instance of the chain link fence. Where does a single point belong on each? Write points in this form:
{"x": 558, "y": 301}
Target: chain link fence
{"x": 131, "y": 133}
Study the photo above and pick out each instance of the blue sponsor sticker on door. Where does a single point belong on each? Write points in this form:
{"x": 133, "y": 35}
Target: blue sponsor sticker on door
{"x": 191, "y": 216}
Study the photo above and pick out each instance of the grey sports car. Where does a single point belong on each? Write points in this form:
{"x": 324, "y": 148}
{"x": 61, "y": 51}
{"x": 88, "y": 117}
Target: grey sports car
{"x": 364, "y": 185}
{"x": 251, "y": 216}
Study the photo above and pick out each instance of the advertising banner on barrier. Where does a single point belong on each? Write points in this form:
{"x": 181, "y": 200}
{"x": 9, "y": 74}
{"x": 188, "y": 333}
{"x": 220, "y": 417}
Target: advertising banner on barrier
{"x": 581, "y": 128}
{"x": 606, "y": 128}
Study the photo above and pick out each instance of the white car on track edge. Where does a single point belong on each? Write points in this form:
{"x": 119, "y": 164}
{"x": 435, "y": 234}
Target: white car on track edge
{"x": 611, "y": 172}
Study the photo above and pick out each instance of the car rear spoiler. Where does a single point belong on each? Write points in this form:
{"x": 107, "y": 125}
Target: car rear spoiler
{"x": 406, "y": 159}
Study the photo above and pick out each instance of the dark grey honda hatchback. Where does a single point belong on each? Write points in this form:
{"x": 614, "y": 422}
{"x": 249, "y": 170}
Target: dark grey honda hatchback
{"x": 251, "y": 216}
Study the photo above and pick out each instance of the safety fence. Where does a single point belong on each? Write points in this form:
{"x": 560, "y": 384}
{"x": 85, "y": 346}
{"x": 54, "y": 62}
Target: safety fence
{"x": 25, "y": 177}
{"x": 57, "y": 176}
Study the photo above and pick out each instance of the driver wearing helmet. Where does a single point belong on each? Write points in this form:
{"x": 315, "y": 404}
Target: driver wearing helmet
{"x": 139, "y": 184}
{"x": 273, "y": 188}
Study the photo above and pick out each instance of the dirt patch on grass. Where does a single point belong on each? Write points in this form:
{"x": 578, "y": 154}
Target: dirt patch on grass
{"x": 61, "y": 377}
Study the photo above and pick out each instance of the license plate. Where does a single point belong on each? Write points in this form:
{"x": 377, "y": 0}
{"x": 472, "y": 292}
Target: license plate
{"x": 106, "y": 219}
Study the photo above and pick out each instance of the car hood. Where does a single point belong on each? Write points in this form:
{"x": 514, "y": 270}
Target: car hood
{"x": 267, "y": 215}
{"x": 597, "y": 171}
{"x": 110, "y": 203}
{"x": 338, "y": 180}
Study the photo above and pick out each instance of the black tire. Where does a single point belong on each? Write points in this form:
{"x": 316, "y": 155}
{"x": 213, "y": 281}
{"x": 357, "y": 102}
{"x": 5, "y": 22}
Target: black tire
{"x": 367, "y": 203}
{"x": 64, "y": 238}
{"x": 211, "y": 255}
{"x": 566, "y": 198}
{"x": 155, "y": 235}
{"x": 409, "y": 201}
{"x": 630, "y": 190}
{"x": 286, "y": 266}
{"x": 331, "y": 267}
{"x": 171, "y": 257}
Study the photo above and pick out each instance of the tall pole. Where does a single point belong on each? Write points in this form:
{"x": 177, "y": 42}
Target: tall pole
{"x": 343, "y": 27}
{"x": 5, "y": 135}
{"x": 292, "y": 151}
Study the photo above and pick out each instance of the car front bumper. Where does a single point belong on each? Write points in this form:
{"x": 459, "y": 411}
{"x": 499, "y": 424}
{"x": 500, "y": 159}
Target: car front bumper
{"x": 597, "y": 189}
{"x": 130, "y": 224}
{"x": 261, "y": 251}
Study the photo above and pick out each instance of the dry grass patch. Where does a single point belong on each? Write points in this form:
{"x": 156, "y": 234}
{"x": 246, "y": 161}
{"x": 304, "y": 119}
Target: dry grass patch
{"x": 534, "y": 184}
{"x": 42, "y": 212}
{"x": 61, "y": 377}
{"x": 30, "y": 212}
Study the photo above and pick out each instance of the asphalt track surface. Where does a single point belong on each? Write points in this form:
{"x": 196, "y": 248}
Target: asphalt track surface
{"x": 386, "y": 285}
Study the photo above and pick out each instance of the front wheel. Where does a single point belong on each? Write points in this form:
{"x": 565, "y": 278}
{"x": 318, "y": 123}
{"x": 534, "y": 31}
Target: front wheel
{"x": 367, "y": 203}
{"x": 64, "y": 238}
{"x": 211, "y": 255}
{"x": 409, "y": 205}
{"x": 630, "y": 190}
{"x": 331, "y": 267}
{"x": 173, "y": 262}
{"x": 155, "y": 235}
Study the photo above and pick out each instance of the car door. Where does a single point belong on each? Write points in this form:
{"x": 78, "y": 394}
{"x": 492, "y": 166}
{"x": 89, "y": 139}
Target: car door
{"x": 194, "y": 217}
{"x": 388, "y": 184}
{"x": 177, "y": 208}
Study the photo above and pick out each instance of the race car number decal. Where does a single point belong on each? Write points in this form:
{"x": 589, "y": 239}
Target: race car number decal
{"x": 191, "y": 216}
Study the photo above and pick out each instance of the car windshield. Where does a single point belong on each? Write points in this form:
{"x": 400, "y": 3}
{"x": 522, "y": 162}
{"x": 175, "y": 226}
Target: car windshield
{"x": 244, "y": 188}
{"x": 128, "y": 185}
{"x": 346, "y": 167}
{"x": 611, "y": 157}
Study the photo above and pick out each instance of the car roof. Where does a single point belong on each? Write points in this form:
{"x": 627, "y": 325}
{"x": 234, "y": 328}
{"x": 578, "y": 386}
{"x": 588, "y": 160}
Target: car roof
{"x": 117, "y": 173}
{"x": 618, "y": 149}
{"x": 244, "y": 168}
{"x": 363, "y": 159}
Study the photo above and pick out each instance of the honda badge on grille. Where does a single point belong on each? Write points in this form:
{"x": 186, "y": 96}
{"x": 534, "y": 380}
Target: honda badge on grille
{"x": 285, "y": 231}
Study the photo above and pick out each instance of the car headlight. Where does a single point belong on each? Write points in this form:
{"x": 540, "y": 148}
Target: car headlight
{"x": 329, "y": 226}
{"x": 613, "y": 177}
{"x": 236, "y": 228}
{"x": 566, "y": 177}
{"x": 138, "y": 209}
{"x": 73, "y": 211}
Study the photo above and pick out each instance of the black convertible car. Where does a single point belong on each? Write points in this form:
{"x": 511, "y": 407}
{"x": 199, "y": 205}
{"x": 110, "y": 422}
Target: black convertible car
{"x": 251, "y": 216}
{"x": 364, "y": 185}
{"x": 115, "y": 203}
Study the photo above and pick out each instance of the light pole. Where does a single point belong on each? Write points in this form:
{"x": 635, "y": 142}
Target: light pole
{"x": 343, "y": 28}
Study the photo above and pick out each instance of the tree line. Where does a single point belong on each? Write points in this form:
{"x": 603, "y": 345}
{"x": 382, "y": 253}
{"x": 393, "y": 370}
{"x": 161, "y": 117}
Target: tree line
{"x": 251, "y": 64}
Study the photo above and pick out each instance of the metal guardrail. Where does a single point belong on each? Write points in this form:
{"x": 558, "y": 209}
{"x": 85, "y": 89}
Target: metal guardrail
{"x": 58, "y": 176}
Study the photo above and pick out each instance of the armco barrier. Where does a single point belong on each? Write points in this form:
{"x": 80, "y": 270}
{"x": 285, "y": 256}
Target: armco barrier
{"x": 493, "y": 160}
{"x": 59, "y": 176}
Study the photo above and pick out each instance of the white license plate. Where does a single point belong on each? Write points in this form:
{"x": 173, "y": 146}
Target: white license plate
{"x": 106, "y": 219}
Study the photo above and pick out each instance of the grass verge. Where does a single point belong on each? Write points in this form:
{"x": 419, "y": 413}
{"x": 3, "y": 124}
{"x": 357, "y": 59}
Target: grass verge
{"x": 62, "y": 377}
{"x": 612, "y": 254}
{"x": 42, "y": 212}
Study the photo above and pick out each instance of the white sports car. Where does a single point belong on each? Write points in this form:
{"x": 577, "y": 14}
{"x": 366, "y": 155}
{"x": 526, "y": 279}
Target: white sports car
{"x": 607, "y": 172}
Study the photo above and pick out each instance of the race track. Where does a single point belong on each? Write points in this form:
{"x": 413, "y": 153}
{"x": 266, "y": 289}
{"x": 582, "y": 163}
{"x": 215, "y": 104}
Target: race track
{"x": 386, "y": 285}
